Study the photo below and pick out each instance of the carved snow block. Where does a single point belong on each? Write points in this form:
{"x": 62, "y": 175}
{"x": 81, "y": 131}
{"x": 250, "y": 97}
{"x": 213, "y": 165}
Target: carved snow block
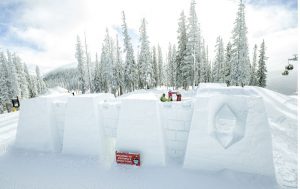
{"x": 230, "y": 132}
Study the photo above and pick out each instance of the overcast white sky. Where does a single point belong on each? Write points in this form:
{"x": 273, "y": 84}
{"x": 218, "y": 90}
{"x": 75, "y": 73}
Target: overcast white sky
{"x": 44, "y": 32}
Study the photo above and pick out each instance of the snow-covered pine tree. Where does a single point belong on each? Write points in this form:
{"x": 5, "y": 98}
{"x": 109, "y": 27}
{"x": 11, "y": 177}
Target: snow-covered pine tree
{"x": 34, "y": 87}
{"x": 201, "y": 66}
{"x": 170, "y": 66}
{"x": 30, "y": 83}
{"x": 253, "y": 79}
{"x": 139, "y": 85}
{"x": 204, "y": 68}
{"x": 107, "y": 63}
{"x": 164, "y": 75}
{"x": 97, "y": 81}
{"x": 154, "y": 66}
{"x": 110, "y": 67}
{"x": 192, "y": 58}
{"x": 88, "y": 61}
{"x": 181, "y": 51}
{"x": 119, "y": 69}
{"x": 12, "y": 77}
{"x": 227, "y": 64}
{"x": 262, "y": 69}
{"x": 144, "y": 59}
{"x": 4, "y": 91}
{"x": 208, "y": 67}
{"x": 22, "y": 81}
{"x": 240, "y": 67}
{"x": 218, "y": 66}
{"x": 160, "y": 66}
{"x": 40, "y": 82}
{"x": 81, "y": 68}
{"x": 131, "y": 77}
{"x": 174, "y": 50}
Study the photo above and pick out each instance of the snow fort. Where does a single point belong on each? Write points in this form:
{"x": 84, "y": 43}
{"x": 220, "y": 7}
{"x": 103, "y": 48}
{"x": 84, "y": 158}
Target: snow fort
{"x": 216, "y": 128}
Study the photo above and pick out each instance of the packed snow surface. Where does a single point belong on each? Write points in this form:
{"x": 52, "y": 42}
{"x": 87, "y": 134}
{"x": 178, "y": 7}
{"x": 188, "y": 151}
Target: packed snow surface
{"x": 217, "y": 137}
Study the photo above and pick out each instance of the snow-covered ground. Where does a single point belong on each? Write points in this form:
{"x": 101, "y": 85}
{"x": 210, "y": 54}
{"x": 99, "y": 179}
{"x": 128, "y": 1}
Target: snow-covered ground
{"x": 24, "y": 169}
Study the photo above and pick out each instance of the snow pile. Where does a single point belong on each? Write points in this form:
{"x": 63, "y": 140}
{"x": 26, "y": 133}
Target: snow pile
{"x": 230, "y": 132}
{"x": 82, "y": 132}
{"x": 140, "y": 130}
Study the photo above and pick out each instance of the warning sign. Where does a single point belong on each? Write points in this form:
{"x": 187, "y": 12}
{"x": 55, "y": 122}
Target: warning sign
{"x": 128, "y": 158}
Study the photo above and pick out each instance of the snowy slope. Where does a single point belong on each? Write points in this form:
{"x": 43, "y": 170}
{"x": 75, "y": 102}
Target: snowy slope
{"x": 28, "y": 169}
{"x": 8, "y": 126}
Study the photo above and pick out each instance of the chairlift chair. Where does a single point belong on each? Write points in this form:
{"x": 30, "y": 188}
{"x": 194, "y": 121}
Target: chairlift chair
{"x": 289, "y": 67}
{"x": 286, "y": 72}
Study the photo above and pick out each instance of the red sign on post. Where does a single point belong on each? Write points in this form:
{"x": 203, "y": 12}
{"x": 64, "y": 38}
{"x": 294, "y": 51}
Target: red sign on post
{"x": 128, "y": 158}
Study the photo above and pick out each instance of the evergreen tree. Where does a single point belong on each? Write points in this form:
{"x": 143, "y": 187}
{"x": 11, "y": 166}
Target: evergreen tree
{"x": 173, "y": 61}
{"x": 22, "y": 81}
{"x": 170, "y": 68}
{"x": 12, "y": 77}
{"x": 81, "y": 68}
{"x": 240, "y": 68}
{"x": 87, "y": 64}
{"x": 144, "y": 60}
{"x": 4, "y": 92}
{"x": 253, "y": 79}
{"x": 218, "y": 67}
{"x": 154, "y": 66}
{"x": 160, "y": 66}
{"x": 262, "y": 69}
{"x": 97, "y": 76}
{"x": 107, "y": 64}
{"x": 119, "y": 69}
{"x": 204, "y": 68}
{"x": 34, "y": 86}
{"x": 192, "y": 58}
{"x": 131, "y": 77}
{"x": 40, "y": 82}
{"x": 30, "y": 82}
{"x": 227, "y": 64}
{"x": 201, "y": 67}
{"x": 181, "y": 51}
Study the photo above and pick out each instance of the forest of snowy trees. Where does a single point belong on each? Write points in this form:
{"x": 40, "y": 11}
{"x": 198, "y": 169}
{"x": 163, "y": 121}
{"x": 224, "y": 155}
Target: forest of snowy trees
{"x": 16, "y": 81}
{"x": 119, "y": 69}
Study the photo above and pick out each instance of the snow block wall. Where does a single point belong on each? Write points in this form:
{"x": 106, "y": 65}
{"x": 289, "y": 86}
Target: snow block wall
{"x": 109, "y": 116}
{"x": 108, "y": 121}
{"x": 140, "y": 130}
{"x": 37, "y": 125}
{"x": 58, "y": 120}
{"x": 176, "y": 119}
{"x": 83, "y": 134}
{"x": 230, "y": 132}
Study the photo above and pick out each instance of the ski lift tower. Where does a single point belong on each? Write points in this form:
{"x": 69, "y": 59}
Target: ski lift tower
{"x": 290, "y": 66}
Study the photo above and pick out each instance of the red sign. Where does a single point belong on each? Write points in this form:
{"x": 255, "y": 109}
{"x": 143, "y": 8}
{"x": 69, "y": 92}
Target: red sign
{"x": 128, "y": 158}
